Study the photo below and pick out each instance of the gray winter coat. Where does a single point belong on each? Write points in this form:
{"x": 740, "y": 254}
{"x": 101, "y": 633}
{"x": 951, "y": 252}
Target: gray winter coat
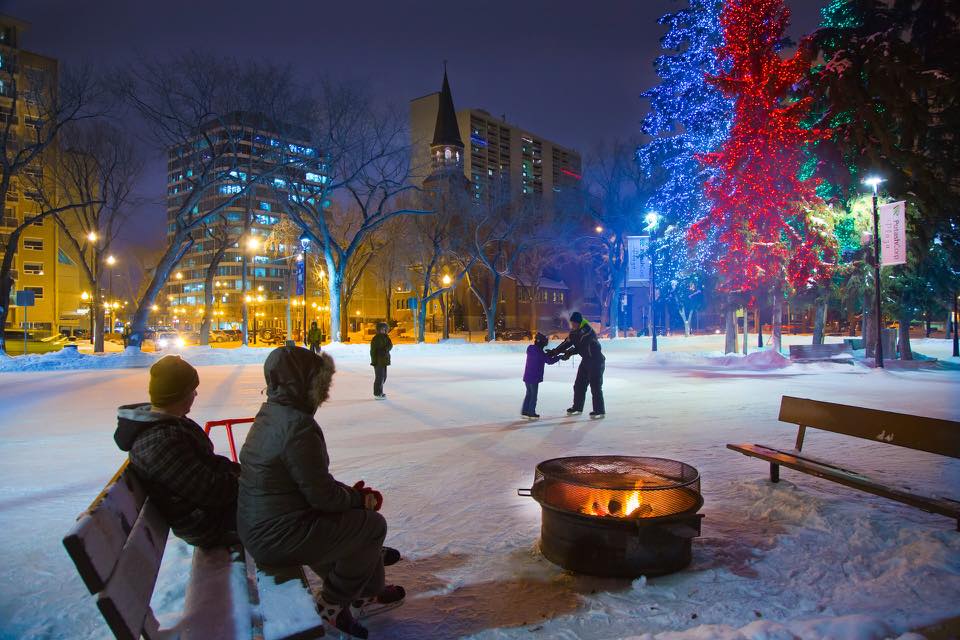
{"x": 285, "y": 479}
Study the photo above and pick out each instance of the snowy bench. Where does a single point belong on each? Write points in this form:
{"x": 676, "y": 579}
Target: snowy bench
{"x": 833, "y": 352}
{"x": 117, "y": 545}
{"x": 932, "y": 435}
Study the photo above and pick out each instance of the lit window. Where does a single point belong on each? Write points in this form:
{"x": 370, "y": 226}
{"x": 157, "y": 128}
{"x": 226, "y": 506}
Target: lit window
{"x": 33, "y": 268}
{"x": 230, "y": 189}
{"x": 265, "y": 205}
{"x": 37, "y": 292}
{"x": 33, "y": 244}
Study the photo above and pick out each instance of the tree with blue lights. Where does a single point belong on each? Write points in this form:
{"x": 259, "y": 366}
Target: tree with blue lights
{"x": 688, "y": 117}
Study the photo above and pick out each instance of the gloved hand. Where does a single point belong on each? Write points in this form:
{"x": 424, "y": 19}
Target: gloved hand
{"x": 566, "y": 356}
{"x": 372, "y": 499}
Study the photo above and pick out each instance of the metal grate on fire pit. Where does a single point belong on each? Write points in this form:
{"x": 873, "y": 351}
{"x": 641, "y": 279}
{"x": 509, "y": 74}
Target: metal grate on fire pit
{"x": 621, "y": 487}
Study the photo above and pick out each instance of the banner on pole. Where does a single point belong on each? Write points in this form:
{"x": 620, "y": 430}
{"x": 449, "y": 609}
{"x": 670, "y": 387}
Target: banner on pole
{"x": 638, "y": 261}
{"x": 301, "y": 277}
{"x": 893, "y": 233}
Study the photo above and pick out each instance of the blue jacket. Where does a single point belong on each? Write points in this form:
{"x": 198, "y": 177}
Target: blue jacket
{"x": 536, "y": 359}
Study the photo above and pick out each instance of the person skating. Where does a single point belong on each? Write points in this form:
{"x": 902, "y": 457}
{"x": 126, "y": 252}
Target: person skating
{"x": 194, "y": 489}
{"x": 583, "y": 341}
{"x": 292, "y": 511}
{"x": 314, "y": 337}
{"x": 380, "y": 348}
{"x": 533, "y": 374}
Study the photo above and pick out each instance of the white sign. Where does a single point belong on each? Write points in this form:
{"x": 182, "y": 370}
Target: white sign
{"x": 893, "y": 233}
{"x": 638, "y": 261}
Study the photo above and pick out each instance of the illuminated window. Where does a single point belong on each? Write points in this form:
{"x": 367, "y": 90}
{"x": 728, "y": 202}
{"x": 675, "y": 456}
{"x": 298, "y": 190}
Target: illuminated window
{"x": 37, "y": 292}
{"x": 265, "y": 205}
{"x": 33, "y": 268}
{"x": 230, "y": 189}
{"x": 33, "y": 244}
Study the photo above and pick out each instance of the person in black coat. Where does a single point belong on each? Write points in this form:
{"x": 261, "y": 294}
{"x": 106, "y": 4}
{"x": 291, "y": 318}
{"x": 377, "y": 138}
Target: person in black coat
{"x": 194, "y": 488}
{"x": 583, "y": 341}
{"x": 292, "y": 511}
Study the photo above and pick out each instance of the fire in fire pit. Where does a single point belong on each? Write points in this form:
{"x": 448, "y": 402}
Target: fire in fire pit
{"x": 617, "y": 515}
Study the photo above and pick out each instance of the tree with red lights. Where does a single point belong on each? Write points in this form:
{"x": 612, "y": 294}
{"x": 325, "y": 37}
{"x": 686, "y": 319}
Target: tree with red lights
{"x": 769, "y": 239}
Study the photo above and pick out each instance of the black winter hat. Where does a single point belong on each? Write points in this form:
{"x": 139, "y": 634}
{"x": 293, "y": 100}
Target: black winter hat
{"x": 577, "y": 317}
{"x": 171, "y": 379}
{"x": 540, "y": 340}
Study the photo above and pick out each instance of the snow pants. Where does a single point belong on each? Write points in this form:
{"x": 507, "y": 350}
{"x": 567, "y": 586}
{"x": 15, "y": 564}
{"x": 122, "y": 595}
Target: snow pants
{"x": 530, "y": 400}
{"x": 589, "y": 373}
{"x": 379, "y": 377}
{"x": 345, "y": 550}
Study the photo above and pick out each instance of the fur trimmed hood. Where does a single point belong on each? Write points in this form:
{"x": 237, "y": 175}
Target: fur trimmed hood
{"x": 298, "y": 378}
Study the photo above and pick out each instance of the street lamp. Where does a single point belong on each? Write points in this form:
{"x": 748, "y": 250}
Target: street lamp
{"x": 304, "y": 265}
{"x": 111, "y": 261}
{"x": 874, "y": 183}
{"x": 653, "y": 219}
{"x": 87, "y": 298}
{"x": 446, "y": 306}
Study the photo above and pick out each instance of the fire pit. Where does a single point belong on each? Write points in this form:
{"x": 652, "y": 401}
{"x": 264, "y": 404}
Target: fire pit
{"x": 617, "y": 516}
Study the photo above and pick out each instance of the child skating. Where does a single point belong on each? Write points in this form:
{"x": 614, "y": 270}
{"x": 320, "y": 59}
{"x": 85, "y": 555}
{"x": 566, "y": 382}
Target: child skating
{"x": 533, "y": 374}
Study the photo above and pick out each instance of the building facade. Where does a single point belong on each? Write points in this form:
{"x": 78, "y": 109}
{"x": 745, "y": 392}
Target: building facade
{"x": 497, "y": 159}
{"x": 43, "y": 265}
{"x": 259, "y": 266}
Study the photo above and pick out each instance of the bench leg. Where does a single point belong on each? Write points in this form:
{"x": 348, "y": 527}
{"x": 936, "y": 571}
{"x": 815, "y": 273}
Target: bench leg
{"x": 774, "y": 472}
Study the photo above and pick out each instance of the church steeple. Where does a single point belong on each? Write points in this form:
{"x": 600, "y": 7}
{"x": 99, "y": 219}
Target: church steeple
{"x": 447, "y": 146}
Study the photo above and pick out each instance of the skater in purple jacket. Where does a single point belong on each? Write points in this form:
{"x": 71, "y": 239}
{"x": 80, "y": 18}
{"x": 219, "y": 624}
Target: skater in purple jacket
{"x": 533, "y": 374}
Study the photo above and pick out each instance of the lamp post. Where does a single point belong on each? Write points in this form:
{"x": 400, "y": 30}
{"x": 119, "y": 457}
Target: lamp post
{"x": 252, "y": 244}
{"x": 653, "y": 219}
{"x": 874, "y": 182}
{"x": 87, "y": 298}
{"x": 956, "y": 333}
{"x": 304, "y": 255}
{"x": 446, "y": 306}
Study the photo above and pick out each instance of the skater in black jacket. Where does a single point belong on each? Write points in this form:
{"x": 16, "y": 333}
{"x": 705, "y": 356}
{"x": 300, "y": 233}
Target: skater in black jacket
{"x": 583, "y": 342}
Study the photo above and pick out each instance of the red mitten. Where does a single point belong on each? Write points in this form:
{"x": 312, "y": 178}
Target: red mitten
{"x": 379, "y": 497}
{"x": 359, "y": 485}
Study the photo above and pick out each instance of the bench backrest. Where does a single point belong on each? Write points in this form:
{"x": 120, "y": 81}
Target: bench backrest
{"x": 117, "y": 545}
{"x": 819, "y": 350}
{"x": 913, "y": 432}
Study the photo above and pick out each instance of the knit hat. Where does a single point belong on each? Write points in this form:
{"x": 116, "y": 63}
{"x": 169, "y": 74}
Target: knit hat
{"x": 576, "y": 317}
{"x": 171, "y": 379}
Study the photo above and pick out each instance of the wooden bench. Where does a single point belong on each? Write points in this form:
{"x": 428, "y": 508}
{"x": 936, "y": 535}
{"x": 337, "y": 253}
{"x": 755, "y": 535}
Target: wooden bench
{"x": 117, "y": 545}
{"x": 821, "y": 352}
{"x": 932, "y": 435}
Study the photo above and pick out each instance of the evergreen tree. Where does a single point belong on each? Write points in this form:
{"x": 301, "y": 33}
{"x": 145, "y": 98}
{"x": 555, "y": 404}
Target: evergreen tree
{"x": 688, "y": 117}
{"x": 767, "y": 237}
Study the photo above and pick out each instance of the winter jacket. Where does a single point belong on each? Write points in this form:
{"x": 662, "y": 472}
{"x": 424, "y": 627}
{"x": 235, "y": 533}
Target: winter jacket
{"x": 191, "y": 485}
{"x": 536, "y": 359}
{"x": 285, "y": 478}
{"x": 583, "y": 342}
{"x": 380, "y": 348}
{"x": 314, "y": 335}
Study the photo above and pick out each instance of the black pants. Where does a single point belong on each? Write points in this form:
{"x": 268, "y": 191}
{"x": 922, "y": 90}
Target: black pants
{"x": 379, "y": 377}
{"x": 590, "y": 373}
{"x": 530, "y": 400}
{"x": 315, "y": 347}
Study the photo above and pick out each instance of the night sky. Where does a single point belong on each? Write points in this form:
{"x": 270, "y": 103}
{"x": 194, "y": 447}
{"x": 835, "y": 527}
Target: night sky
{"x": 569, "y": 71}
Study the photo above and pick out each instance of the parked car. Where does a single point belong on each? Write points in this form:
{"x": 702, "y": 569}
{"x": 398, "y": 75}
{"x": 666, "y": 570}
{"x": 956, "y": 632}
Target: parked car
{"x": 272, "y": 336}
{"x": 514, "y": 334}
{"x": 217, "y": 335}
{"x": 169, "y": 341}
{"x": 14, "y": 341}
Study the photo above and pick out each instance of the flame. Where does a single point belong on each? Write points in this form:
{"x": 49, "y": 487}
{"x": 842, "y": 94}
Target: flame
{"x": 618, "y": 504}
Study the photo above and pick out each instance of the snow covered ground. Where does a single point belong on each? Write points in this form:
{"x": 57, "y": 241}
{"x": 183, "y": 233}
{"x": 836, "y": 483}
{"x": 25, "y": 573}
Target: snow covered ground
{"x": 804, "y": 558}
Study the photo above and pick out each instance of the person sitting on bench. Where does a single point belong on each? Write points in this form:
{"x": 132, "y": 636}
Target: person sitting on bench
{"x": 194, "y": 489}
{"x": 292, "y": 511}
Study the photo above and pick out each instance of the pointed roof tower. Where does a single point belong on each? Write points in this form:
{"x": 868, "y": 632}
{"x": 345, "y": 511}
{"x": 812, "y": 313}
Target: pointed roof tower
{"x": 447, "y": 131}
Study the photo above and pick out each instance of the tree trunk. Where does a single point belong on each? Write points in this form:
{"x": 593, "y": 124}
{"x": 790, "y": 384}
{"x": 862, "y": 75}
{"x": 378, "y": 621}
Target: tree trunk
{"x": 615, "y": 312}
{"x": 730, "y": 340}
{"x": 175, "y": 251}
{"x": 777, "y": 323}
{"x": 759, "y": 327}
{"x": 746, "y": 330}
{"x": 6, "y": 279}
{"x": 820, "y": 321}
{"x": 208, "y": 294}
{"x": 421, "y": 321}
{"x": 687, "y": 321}
{"x": 97, "y": 311}
{"x": 906, "y": 353}
{"x": 869, "y": 332}
{"x": 534, "y": 311}
{"x": 336, "y": 313}
{"x": 389, "y": 301}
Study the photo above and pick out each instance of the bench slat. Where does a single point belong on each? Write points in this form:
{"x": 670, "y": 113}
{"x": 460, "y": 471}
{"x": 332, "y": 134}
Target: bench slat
{"x": 96, "y": 540}
{"x": 941, "y": 506}
{"x": 125, "y": 600}
{"x": 217, "y": 604}
{"x": 287, "y": 604}
{"x": 932, "y": 435}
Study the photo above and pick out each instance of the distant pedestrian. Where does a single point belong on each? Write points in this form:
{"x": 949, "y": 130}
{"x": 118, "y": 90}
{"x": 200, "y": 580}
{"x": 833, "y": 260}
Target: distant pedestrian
{"x": 380, "y": 348}
{"x": 533, "y": 374}
{"x": 314, "y": 337}
{"x": 583, "y": 341}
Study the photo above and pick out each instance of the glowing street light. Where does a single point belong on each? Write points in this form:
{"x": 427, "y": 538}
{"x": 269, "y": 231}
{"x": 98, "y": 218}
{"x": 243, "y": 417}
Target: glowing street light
{"x": 111, "y": 260}
{"x": 92, "y": 236}
{"x": 446, "y": 306}
{"x": 599, "y": 229}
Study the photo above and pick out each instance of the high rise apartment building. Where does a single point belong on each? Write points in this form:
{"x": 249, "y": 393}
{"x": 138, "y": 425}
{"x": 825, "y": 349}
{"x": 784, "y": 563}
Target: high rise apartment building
{"x": 249, "y": 221}
{"x": 497, "y": 154}
{"x": 43, "y": 263}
